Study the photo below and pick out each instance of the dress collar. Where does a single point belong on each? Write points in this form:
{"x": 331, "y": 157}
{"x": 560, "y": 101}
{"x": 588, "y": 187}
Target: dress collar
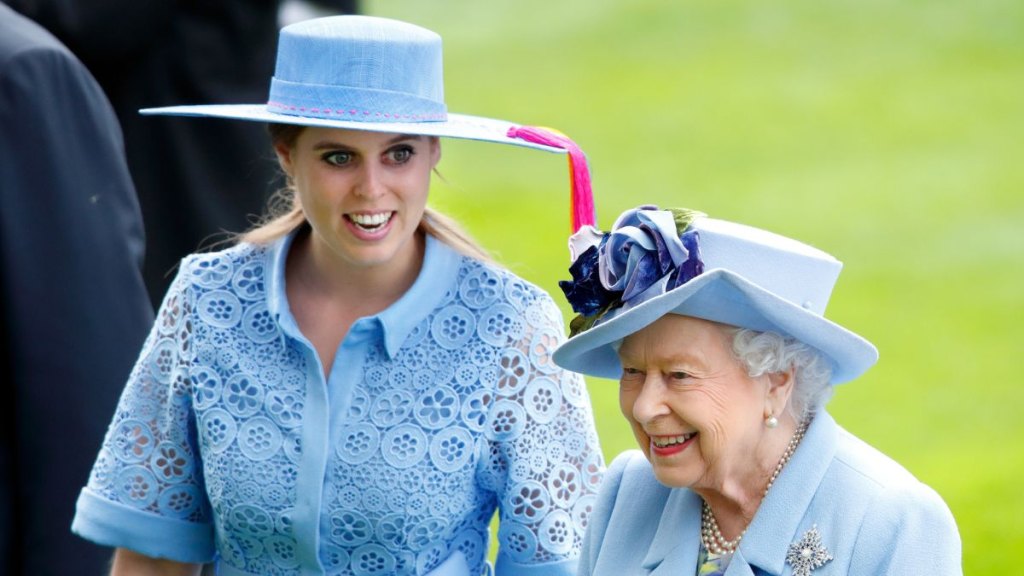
{"x": 437, "y": 275}
{"x": 273, "y": 276}
{"x": 775, "y": 524}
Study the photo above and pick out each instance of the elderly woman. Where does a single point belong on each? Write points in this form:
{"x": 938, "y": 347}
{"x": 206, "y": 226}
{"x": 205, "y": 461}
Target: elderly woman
{"x": 716, "y": 334}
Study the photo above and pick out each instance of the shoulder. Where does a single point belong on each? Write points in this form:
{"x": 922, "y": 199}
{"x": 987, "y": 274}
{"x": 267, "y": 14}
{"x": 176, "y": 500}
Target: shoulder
{"x": 472, "y": 269}
{"x": 230, "y": 269}
{"x": 866, "y": 469}
{"x": 50, "y": 97}
{"x": 630, "y": 476}
{"x": 40, "y": 74}
{"x": 31, "y": 56}
{"x": 20, "y": 36}
{"x": 484, "y": 281}
{"x": 899, "y": 515}
{"x": 629, "y": 504}
{"x": 861, "y": 469}
{"x": 229, "y": 257}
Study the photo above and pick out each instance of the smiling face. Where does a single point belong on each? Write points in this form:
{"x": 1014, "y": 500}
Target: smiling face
{"x": 363, "y": 193}
{"x": 695, "y": 412}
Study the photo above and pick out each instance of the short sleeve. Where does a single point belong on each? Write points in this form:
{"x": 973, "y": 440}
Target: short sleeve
{"x": 146, "y": 489}
{"x": 542, "y": 439}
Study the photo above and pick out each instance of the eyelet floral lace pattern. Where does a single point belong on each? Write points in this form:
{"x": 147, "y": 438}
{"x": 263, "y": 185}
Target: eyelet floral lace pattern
{"x": 469, "y": 415}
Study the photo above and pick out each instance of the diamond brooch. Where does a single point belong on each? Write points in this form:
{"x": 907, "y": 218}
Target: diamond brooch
{"x": 808, "y": 553}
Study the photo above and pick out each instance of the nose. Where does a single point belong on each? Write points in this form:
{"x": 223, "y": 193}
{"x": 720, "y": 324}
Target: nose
{"x": 650, "y": 402}
{"x": 370, "y": 183}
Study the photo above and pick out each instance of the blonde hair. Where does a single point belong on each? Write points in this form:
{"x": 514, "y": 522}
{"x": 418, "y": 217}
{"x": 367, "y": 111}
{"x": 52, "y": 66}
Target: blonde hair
{"x": 284, "y": 212}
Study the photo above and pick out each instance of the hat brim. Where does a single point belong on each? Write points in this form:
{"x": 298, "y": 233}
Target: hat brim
{"x": 456, "y": 126}
{"x": 720, "y": 296}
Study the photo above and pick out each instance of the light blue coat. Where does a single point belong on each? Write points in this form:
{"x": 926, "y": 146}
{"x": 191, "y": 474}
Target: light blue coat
{"x": 873, "y": 516}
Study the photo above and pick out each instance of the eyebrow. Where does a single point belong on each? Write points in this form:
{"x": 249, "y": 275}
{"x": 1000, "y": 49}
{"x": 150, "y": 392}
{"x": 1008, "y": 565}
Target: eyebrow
{"x": 683, "y": 361}
{"x": 332, "y": 145}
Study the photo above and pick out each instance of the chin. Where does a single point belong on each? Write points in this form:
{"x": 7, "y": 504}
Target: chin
{"x": 672, "y": 477}
{"x": 372, "y": 256}
{"x": 674, "y": 481}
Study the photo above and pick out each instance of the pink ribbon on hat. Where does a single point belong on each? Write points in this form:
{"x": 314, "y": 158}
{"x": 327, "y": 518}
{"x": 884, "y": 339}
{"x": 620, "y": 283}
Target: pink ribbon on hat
{"x": 582, "y": 199}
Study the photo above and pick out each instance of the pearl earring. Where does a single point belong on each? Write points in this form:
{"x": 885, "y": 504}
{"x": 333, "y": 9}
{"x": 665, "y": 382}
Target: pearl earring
{"x": 771, "y": 421}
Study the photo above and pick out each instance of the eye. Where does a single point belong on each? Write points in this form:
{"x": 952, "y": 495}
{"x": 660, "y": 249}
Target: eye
{"x": 678, "y": 375}
{"x": 631, "y": 379}
{"x": 338, "y": 157}
{"x": 400, "y": 154}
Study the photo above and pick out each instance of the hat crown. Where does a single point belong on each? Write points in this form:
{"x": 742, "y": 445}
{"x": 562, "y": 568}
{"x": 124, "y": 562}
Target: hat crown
{"x": 360, "y": 67}
{"x": 789, "y": 269}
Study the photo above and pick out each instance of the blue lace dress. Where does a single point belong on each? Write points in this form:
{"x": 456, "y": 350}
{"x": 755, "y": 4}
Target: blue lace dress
{"x": 229, "y": 444}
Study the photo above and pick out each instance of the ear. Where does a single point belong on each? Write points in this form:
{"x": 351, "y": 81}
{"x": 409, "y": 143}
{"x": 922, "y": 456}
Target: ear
{"x": 780, "y": 389}
{"x": 435, "y": 151}
{"x": 284, "y": 158}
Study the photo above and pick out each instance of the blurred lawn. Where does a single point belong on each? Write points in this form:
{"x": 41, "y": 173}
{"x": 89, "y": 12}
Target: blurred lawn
{"x": 887, "y": 133}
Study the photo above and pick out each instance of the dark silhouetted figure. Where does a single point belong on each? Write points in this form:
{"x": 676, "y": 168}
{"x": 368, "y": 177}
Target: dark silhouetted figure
{"x": 74, "y": 308}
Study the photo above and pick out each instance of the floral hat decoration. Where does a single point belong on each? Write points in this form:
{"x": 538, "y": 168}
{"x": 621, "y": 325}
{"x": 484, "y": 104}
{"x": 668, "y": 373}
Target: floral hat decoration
{"x": 678, "y": 261}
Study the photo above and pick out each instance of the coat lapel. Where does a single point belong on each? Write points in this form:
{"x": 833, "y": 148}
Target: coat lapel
{"x": 673, "y": 545}
{"x": 739, "y": 566}
{"x": 779, "y": 517}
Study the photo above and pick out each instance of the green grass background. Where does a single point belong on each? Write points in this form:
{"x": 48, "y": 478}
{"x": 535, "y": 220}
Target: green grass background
{"x": 887, "y": 133}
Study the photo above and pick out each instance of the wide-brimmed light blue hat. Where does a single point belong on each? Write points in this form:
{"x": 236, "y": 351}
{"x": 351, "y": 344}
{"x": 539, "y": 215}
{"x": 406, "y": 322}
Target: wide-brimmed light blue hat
{"x": 380, "y": 75}
{"x": 656, "y": 262}
{"x": 360, "y": 73}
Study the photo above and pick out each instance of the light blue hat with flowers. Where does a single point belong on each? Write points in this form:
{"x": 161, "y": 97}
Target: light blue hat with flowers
{"x": 382, "y": 75}
{"x": 656, "y": 262}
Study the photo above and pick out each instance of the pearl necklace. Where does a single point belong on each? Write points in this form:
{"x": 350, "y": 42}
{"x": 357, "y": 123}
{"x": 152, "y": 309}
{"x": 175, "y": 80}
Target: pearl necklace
{"x": 711, "y": 536}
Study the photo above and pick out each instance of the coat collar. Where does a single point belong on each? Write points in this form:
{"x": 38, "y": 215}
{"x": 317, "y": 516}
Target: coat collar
{"x": 774, "y": 526}
{"x": 670, "y": 549}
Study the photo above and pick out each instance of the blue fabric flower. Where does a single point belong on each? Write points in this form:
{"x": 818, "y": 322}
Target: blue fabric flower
{"x": 693, "y": 266}
{"x": 585, "y": 292}
{"x": 646, "y": 246}
{"x": 642, "y": 247}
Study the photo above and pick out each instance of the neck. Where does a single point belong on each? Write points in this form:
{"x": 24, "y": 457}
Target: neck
{"x": 735, "y": 500}
{"x": 363, "y": 290}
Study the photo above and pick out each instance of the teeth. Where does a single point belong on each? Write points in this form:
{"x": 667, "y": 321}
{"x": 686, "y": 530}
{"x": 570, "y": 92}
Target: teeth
{"x": 664, "y": 441}
{"x": 370, "y": 220}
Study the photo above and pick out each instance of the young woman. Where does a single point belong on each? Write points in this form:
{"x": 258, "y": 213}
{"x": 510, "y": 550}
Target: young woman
{"x": 352, "y": 388}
